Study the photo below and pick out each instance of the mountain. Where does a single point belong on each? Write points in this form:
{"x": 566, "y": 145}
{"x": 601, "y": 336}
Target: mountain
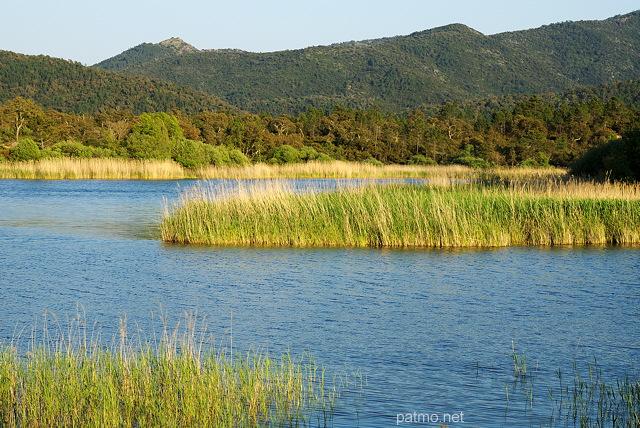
{"x": 71, "y": 87}
{"x": 450, "y": 63}
{"x": 147, "y": 52}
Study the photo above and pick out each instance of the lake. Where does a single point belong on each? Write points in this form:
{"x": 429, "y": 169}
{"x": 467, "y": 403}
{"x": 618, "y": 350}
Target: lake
{"x": 429, "y": 331}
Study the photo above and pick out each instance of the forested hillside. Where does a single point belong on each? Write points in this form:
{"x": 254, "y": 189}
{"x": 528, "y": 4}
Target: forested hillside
{"x": 147, "y": 52}
{"x": 424, "y": 69}
{"x": 71, "y": 87}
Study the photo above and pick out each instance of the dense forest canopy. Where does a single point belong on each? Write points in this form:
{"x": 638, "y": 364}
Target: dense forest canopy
{"x": 398, "y": 74}
{"x": 532, "y": 132}
{"x": 71, "y": 87}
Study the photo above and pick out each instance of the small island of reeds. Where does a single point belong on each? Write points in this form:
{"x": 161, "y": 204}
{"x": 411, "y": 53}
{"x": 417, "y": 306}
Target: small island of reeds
{"x": 549, "y": 211}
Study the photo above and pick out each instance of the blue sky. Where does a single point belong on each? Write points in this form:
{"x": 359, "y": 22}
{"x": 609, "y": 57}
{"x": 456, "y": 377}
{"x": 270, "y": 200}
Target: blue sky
{"x": 88, "y": 31}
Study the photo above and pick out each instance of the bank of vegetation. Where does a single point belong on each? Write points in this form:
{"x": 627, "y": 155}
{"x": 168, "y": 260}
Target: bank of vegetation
{"x": 445, "y": 214}
{"x": 66, "y": 378}
{"x": 530, "y": 133}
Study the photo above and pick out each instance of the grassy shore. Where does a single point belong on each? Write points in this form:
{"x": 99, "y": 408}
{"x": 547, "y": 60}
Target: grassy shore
{"x": 534, "y": 212}
{"x": 112, "y": 168}
{"x": 77, "y": 169}
{"x": 178, "y": 382}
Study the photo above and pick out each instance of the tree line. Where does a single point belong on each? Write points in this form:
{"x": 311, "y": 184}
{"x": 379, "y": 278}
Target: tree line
{"x": 533, "y": 132}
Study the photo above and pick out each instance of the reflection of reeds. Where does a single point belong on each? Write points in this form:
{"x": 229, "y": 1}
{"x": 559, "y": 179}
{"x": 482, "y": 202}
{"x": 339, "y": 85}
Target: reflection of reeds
{"x": 114, "y": 168}
{"x": 547, "y": 212}
{"x": 67, "y": 380}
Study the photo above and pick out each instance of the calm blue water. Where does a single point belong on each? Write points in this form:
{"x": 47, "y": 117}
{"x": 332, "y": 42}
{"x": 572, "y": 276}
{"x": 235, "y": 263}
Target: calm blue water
{"x": 430, "y": 330}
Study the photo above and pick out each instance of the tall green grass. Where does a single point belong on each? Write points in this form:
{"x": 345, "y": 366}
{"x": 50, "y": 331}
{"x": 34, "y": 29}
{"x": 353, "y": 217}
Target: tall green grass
{"x": 178, "y": 381}
{"x": 407, "y": 215}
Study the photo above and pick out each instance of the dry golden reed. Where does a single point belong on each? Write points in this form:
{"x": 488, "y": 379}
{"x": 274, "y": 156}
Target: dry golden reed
{"x": 116, "y": 168}
{"x": 98, "y": 168}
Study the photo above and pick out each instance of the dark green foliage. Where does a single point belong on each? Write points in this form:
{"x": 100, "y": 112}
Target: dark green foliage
{"x": 71, "y": 87}
{"x": 420, "y": 160}
{"x": 224, "y": 156}
{"x": 153, "y": 137}
{"x": 285, "y": 154}
{"x": 617, "y": 159}
{"x": 532, "y": 133}
{"x": 236, "y": 157}
{"x": 75, "y": 149}
{"x": 467, "y": 157}
{"x": 425, "y": 68}
{"x": 190, "y": 154}
{"x": 373, "y": 161}
{"x": 146, "y": 52}
{"x": 25, "y": 150}
{"x": 289, "y": 154}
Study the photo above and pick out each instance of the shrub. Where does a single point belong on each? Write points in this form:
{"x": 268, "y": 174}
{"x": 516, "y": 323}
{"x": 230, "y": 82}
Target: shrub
{"x": 421, "y": 160}
{"x": 471, "y": 161}
{"x": 286, "y": 154}
{"x": 25, "y": 150}
{"x": 217, "y": 155}
{"x": 238, "y": 158}
{"x": 74, "y": 149}
{"x": 190, "y": 154}
{"x": 616, "y": 159}
{"x": 467, "y": 157}
{"x": 529, "y": 163}
{"x": 373, "y": 161}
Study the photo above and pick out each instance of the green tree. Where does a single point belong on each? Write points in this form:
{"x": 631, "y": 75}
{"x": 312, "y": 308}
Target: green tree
{"x": 23, "y": 115}
{"x": 617, "y": 159}
{"x": 190, "y": 154}
{"x": 153, "y": 136}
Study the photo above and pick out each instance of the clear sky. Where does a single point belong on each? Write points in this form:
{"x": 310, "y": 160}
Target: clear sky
{"x": 89, "y": 31}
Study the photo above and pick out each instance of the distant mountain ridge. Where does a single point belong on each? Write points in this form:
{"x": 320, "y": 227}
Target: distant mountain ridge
{"x": 449, "y": 63}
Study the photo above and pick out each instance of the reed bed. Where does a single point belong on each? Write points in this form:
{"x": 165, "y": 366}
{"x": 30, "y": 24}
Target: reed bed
{"x": 98, "y": 168}
{"x": 116, "y": 168}
{"x": 178, "y": 382}
{"x": 449, "y": 214}
{"x": 337, "y": 169}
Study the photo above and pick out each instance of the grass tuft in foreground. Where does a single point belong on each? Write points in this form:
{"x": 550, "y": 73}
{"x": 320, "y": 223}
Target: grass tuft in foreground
{"x": 178, "y": 382}
{"x": 542, "y": 212}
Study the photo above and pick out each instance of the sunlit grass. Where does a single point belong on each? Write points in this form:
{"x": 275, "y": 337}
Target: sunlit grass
{"x": 99, "y": 168}
{"x": 547, "y": 212}
{"x": 116, "y": 168}
{"x": 68, "y": 379}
